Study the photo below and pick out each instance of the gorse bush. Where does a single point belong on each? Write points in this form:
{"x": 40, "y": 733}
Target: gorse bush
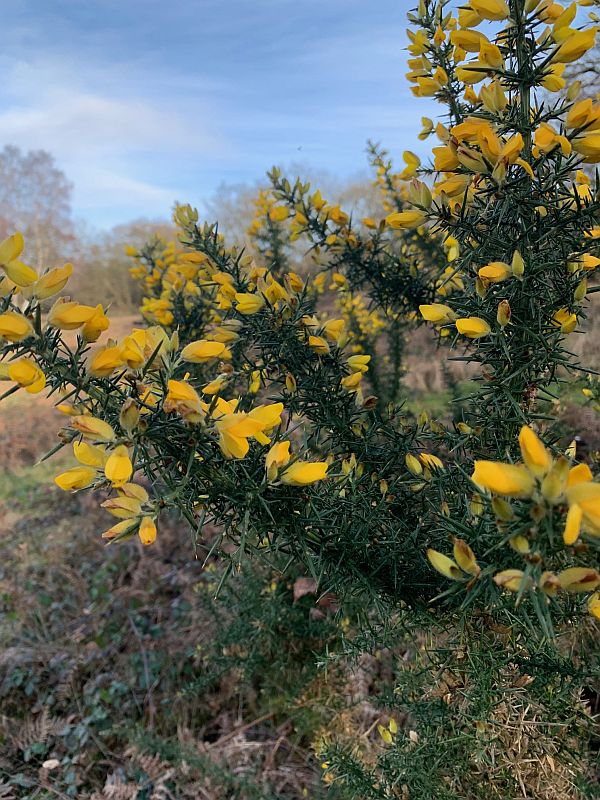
{"x": 263, "y": 400}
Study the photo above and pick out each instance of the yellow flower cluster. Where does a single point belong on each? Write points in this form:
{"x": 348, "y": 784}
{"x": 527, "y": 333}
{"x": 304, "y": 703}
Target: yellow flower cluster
{"x": 101, "y": 462}
{"x": 21, "y": 278}
{"x": 478, "y": 153}
{"x": 132, "y": 352}
{"x": 551, "y": 486}
{"x": 172, "y": 276}
{"x": 550, "y": 481}
{"x": 143, "y": 366}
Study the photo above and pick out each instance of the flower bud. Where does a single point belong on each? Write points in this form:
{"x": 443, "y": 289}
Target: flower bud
{"x": 147, "y": 531}
{"x": 444, "y": 565}
{"x": 537, "y": 512}
{"x": 594, "y": 605}
{"x": 580, "y": 290}
{"x": 129, "y": 416}
{"x": 465, "y": 558}
{"x": 481, "y": 287}
{"x": 549, "y": 583}
{"x": 555, "y": 481}
{"x": 419, "y": 194}
{"x": 502, "y": 509}
{"x": 476, "y": 505}
{"x": 413, "y": 464}
{"x": 520, "y": 543}
{"x": 512, "y": 579}
{"x": 499, "y": 171}
{"x": 518, "y": 265}
{"x": 504, "y": 312}
{"x": 579, "y": 579}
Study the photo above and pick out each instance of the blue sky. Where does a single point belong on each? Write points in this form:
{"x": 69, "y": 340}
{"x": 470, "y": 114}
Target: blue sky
{"x": 144, "y": 102}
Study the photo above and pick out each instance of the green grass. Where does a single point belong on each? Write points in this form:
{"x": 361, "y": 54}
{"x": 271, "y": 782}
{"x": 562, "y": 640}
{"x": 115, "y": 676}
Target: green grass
{"x": 22, "y": 487}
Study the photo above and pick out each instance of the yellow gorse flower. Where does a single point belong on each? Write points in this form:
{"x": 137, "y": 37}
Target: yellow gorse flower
{"x": 93, "y": 428}
{"x": 536, "y": 457}
{"x": 105, "y": 361}
{"x": 554, "y": 480}
{"x": 492, "y": 10}
{"x": 69, "y": 315}
{"x": 437, "y": 313}
{"x": 27, "y": 374}
{"x": 565, "y": 320}
{"x": 247, "y": 303}
{"x": 278, "y": 456}
{"x": 183, "y": 399}
{"x": 473, "y": 327}
{"x": 359, "y": 363}
{"x": 75, "y": 478}
{"x": 496, "y": 272}
{"x": 574, "y": 45}
{"x": 52, "y": 282}
{"x": 204, "y": 351}
{"x": 123, "y": 507}
{"x": 405, "y": 219}
{"x": 16, "y": 271}
{"x": 89, "y": 455}
{"x": 237, "y": 427}
{"x": 121, "y": 529}
{"x": 118, "y": 468}
{"x": 95, "y": 325}
{"x": 14, "y": 326}
{"x": 507, "y": 480}
{"x": 11, "y": 248}
{"x": 303, "y": 473}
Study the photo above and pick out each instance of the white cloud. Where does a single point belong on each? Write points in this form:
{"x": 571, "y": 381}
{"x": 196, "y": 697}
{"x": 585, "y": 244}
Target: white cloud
{"x": 112, "y": 142}
{"x": 69, "y": 121}
{"x": 97, "y": 188}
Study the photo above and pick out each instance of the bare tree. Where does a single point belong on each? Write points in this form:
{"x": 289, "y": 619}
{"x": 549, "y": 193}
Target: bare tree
{"x": 35, "y": 198}
{"x": 587, "y": 71}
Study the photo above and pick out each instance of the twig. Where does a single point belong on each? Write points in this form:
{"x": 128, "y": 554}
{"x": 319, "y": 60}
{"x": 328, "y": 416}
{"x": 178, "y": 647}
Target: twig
{"x": 243, "y": 728}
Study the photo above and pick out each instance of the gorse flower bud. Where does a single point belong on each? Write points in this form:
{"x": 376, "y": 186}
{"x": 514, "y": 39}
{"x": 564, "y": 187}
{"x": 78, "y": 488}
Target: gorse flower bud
{"x": 504, "y": 313}
{"x": 444, "y": 565}
{"x": 147, "y": 531}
